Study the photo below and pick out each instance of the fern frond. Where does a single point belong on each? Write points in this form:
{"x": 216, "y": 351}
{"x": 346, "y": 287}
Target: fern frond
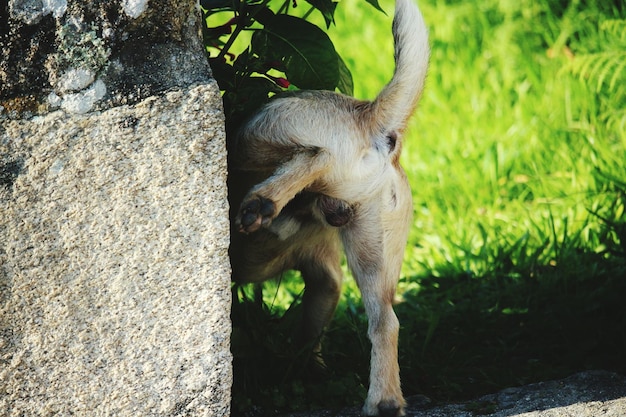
{"x": 619, "y": 70}
{"x": 599, "y": 67}
{"x": 616, "y": 120}
{"x": 608, "y": 66}
{"x": 614, "y": 27}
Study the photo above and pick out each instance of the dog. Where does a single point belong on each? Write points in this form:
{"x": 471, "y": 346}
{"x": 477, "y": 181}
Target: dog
{"x": 313, "y": 172}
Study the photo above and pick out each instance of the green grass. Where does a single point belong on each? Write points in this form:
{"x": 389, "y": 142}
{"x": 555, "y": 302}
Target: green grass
{"x": 515, "y": 269}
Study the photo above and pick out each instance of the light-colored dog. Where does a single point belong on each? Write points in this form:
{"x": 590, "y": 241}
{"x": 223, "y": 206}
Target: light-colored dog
{"x": 314, "y": 170}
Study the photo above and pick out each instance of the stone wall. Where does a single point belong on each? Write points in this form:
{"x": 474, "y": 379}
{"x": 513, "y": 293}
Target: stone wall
{"x": 82, "y": 56}
{"x": 114, "y": 274}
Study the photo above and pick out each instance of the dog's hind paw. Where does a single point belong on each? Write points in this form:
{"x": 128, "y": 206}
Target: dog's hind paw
{"x": 254, "y": 213}
{"x": 336, "y": 212}
{"x": 388, "y": 408}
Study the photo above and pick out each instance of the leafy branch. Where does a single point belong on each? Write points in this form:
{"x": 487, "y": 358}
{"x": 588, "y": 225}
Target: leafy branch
{"x": 285, "y": 52}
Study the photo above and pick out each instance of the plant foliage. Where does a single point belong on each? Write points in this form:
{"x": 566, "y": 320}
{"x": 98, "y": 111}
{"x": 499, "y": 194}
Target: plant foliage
{"x": 608, "y": 66}
{"x": 604, "y": 69}
{"x": 283, "y": 51}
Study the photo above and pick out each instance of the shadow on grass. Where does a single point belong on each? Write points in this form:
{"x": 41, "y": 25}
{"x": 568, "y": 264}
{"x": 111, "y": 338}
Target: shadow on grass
{"x": 481, "y": 335}
{"x": 461, "y": 337}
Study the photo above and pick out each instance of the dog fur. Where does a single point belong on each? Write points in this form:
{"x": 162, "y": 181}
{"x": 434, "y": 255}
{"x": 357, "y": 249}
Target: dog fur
{"x": 314, "y": 171}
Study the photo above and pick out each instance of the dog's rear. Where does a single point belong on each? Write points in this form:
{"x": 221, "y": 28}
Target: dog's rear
{"x": 314, "y": 169}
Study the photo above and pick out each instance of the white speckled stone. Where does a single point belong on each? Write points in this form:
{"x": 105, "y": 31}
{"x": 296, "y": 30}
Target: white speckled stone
{"x": 114, "y": 273}
{"x": 134, "y": 8}
{"x": 84, "y": 101}
{"x": 56, "y": 7}
{"x": 75, "y": 79}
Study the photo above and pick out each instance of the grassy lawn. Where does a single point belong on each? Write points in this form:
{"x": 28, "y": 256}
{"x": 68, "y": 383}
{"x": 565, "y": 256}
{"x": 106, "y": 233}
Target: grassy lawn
{"x": 515, "y": 269}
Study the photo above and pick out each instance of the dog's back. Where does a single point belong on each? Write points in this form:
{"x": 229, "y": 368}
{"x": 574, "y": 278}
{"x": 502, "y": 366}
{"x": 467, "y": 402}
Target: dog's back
{"x": 360, "y": 136}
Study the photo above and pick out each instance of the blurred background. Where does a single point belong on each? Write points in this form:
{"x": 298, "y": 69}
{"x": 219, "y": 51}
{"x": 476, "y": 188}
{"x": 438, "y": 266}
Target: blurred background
{"x": 515, "y": 270}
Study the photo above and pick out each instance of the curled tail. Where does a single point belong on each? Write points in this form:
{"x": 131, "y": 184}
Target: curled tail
{"x": 396, "y": 102}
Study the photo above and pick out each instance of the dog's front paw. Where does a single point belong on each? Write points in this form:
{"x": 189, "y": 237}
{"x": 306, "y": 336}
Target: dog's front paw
{"x": 255, "y": 212}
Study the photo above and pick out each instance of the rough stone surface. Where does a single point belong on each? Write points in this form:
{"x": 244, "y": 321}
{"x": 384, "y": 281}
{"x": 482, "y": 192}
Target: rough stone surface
{"x": 587, "y": 394}
{"x": 114, "y": 274}
{"x": 53, "y": 51}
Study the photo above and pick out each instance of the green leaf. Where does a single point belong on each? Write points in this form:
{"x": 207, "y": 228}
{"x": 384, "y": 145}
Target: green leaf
{"x": 345, "y": 84}
{"x": 223, "y": 73}
{"x": 376, "y": 5}
{"x": 306, "y": 51}
{"x": 247, "y": 63}
{"x": 248, "y": 94}
{"x": 218, "y": 5}
{"x": 327, "y": 8}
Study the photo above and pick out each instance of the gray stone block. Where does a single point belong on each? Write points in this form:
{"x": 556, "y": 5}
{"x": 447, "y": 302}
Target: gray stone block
{"x": 114, "y": 273}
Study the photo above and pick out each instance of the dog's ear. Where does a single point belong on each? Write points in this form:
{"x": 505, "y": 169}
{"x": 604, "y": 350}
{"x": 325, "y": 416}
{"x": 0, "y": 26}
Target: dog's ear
{"x": 397, "y": 101}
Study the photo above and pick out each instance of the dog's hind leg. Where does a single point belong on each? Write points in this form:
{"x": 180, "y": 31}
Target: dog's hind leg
{"x": 322, "y": 275}
{"x": 265, "y": 200}
{"x": 374, "y": 247}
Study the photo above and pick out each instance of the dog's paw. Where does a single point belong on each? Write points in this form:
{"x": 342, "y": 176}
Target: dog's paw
{"x": 255, "y": 212}
{"x": 336, "y": 212}
{"x": 385, "y": 408}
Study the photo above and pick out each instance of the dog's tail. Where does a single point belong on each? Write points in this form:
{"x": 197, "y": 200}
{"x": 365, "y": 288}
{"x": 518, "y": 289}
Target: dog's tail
{"x": 396, "y": 102}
